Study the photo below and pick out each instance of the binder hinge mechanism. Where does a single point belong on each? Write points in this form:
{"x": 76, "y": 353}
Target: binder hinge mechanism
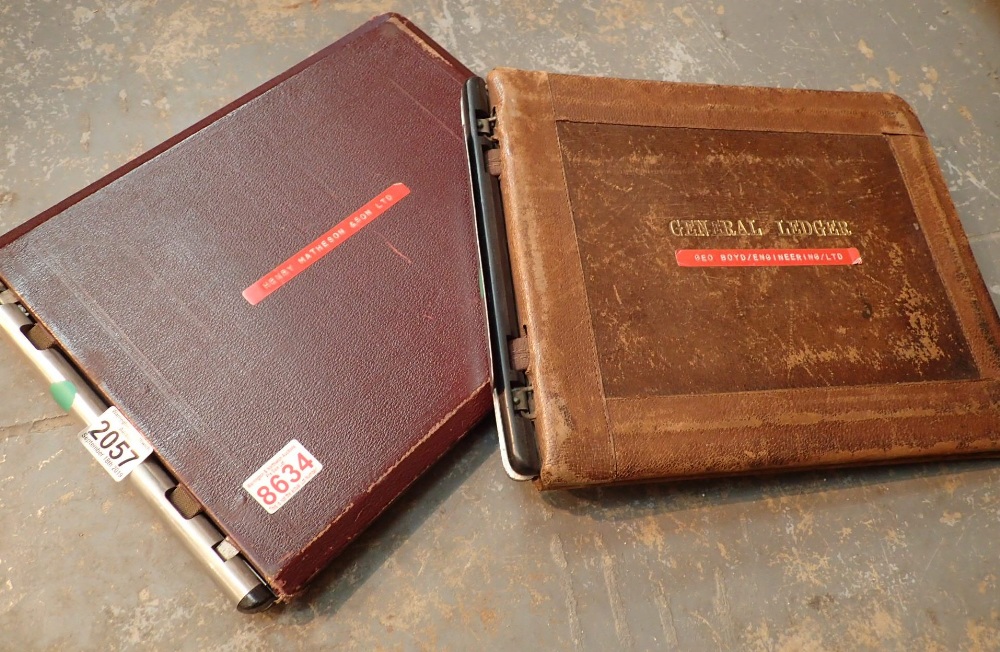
{"x": 513, "y": 397}
{"x": 486, "y": 126}
{"x": 523, "y": 400}
{"x": 7, "y": 296}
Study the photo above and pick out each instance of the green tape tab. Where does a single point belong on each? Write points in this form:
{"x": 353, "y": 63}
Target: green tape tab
{"x": 63, "y": 392}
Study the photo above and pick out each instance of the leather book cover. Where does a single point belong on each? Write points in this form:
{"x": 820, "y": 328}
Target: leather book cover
{"x": 299, "y": 266}
{"x": 715, "y": 280}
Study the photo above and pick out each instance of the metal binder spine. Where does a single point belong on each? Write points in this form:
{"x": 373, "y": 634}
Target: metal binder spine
{"x": 512, "y": 394}
{"x": 231, "y": 571}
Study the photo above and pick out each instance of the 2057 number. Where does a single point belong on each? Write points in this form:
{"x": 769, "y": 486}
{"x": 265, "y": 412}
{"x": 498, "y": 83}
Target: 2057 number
{"x": 113, "y": 443}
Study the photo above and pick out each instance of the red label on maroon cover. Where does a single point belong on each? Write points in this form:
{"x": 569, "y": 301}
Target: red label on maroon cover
{"x": 324, "y": 244}
{"x": 766, "y": 257}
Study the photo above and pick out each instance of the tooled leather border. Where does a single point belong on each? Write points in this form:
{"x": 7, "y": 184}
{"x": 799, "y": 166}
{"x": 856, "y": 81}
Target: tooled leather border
{"x": 726, "y": 433}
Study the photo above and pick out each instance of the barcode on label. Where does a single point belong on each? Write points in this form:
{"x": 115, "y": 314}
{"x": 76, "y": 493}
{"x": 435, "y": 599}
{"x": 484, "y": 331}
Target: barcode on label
{"x": 282, "y": 476}
{"x": 115, "y": 444}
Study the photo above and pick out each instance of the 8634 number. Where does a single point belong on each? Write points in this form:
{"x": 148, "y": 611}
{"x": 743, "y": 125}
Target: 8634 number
{"x": 277, "y": 484}
{"x": 283, "y": 476}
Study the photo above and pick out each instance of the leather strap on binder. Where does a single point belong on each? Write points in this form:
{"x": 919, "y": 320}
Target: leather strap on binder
{"x": 519, "y": 353}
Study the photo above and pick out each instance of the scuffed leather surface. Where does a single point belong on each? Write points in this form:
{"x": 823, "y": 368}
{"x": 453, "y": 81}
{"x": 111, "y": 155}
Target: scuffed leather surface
{"x": 662, "y": 329}
{"x": 573, "y": 435}
{"x": 374, "y": 358}
{"x": 643, "y": 372}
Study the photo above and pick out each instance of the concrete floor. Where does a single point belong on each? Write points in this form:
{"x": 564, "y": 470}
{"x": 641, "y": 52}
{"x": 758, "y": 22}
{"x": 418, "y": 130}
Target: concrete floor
{"x": 896, "y": 558}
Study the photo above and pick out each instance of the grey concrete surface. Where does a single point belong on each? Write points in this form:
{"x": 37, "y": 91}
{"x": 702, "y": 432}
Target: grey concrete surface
{"x": 902, "y": 558}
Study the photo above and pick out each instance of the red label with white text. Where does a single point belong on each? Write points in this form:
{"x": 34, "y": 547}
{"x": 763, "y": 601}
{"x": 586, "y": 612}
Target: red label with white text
{"x": 324, "y": 244}
{"x": 766, "y": 257}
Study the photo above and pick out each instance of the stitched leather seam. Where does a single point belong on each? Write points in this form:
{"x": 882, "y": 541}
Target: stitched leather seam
{"x": 402, "y": 458}
{"x": 805, "y": 390}
{"x": 890, "y": 119}
{"x": 967, "y": 408}
{"x": 757, "y": 129}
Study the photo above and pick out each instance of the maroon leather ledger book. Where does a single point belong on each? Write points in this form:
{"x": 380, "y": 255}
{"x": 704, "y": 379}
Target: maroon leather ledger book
{"x": 300, "y": 266}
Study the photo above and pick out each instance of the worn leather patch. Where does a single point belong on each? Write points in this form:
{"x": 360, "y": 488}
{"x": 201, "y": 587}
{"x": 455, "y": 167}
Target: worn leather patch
{"x": 639, "y": 194}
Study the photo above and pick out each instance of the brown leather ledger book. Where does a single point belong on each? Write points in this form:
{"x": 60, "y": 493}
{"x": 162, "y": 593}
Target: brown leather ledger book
{"x": 692, "y": 280}
{"x": 282, "y": 300}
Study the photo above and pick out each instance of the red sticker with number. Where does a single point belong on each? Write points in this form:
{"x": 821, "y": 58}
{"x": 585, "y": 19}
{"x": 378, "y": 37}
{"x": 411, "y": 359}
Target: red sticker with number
{"x": 282, "y": 476}
{"x": 766, "y": 257}
{"x": 324, "y": 244}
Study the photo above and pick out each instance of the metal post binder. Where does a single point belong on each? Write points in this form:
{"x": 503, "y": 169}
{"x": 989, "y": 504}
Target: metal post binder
{"x": 690, "y": 280}
{"x": 280, "y": 301}
{"x": 201, "y": 536}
